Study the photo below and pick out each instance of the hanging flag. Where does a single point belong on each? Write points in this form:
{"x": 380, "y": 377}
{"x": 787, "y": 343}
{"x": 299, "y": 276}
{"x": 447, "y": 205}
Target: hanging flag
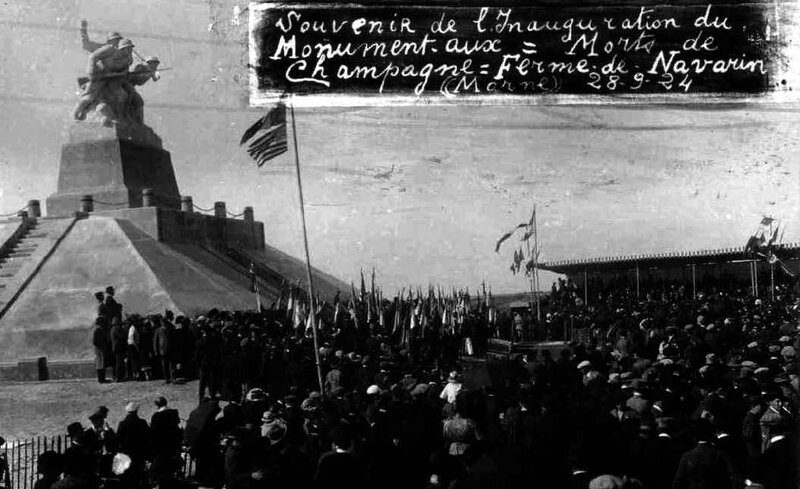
{"x": 774, "y": 237}
{"x": 758, "y": 244}
{"x": 519, "y": 257}
{"x": 530, "y": 227}
{"x": 508, "y": 235}
{"x": 372, "y": 288}
{"x": 752, "y": 246}
{"x": 363, "y": 287}
{"x": 267, "y": 137}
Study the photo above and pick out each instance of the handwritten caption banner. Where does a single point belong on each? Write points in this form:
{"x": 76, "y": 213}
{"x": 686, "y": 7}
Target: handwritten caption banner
{"x": 413, "y": 52}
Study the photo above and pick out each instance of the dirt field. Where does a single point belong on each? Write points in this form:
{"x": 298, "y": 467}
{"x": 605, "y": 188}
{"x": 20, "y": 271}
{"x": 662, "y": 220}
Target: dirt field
{"x": 46, "y": 408}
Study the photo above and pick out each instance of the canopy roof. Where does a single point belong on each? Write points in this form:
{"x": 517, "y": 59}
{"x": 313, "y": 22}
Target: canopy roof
{"x": 669, "y": 259}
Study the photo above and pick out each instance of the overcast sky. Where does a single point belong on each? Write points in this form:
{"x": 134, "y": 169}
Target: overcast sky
{"x": 421, "y": 193}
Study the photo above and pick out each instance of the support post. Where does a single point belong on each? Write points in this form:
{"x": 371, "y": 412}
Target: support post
{"x": 248, "y": 214}
{"x": 694, "y": 281}
{"x": 772, "y": 281}
{"x": 219, "y": 210}
{"x": 148, "y": 197}
{"x": 186, "y": 203}
{"x": 87, "y": 203}
{"x": 585, "y": 287}
{"x": 34, "y": 208}
{"x": 755, "y": 274}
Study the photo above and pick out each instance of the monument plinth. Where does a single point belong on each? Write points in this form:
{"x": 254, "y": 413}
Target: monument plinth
{"x": 113, "y": 165}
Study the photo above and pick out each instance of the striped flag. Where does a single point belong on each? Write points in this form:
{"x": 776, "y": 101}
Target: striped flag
{"x": 267, "y": 137}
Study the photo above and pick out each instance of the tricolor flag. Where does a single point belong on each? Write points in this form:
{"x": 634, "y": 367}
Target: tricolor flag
{"x": 267, "y": 137}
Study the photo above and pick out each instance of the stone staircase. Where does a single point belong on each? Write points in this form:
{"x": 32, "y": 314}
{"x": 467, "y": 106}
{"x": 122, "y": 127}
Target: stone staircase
{"x": 22, "y": 259}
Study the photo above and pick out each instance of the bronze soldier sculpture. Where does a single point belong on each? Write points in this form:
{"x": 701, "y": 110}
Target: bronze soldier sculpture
{"x": 109, "y": 90}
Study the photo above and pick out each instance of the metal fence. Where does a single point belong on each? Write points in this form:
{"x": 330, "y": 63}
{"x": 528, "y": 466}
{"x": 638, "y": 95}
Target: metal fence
{"x": 21, "y": 456}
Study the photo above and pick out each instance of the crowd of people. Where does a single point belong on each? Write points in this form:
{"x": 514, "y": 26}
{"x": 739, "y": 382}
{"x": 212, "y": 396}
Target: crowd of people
{"x": 670, "y": 389}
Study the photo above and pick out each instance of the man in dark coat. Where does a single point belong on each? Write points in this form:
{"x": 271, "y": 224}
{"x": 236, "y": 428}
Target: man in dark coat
{"x": 705, "y": 466}
{"x": 165, "y": 428}
{"x": 207, "y": 356}
{"x": 113, "y": 308}
{"x": 161, "y": 337}
{"x": 99, "y": 436}
{"x": 181, "y": 348}
{"x": 668, "y": 454}
{"x": 776, "y": 468}
{"x": 339, "y": 468}
{"x": 202, "y": 437}
{"x": 119, "y": 347}
{"x": 101, "y": 340}
{"x": 102, "y": 309}
{"x": 133, "y": 437}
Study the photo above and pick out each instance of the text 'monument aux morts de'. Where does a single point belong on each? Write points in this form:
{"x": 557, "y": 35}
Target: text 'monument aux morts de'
{"x": 580, "y": 51}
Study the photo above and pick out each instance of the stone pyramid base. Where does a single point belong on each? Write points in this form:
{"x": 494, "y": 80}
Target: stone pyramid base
{"x": 54, "y": 314}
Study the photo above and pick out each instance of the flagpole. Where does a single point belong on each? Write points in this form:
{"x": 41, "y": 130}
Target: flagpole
{"x": 772, "y": 280}
{"x": 536, "y": 261}
{"x": 531, "y": 277}
{"x": 309, "y": 276}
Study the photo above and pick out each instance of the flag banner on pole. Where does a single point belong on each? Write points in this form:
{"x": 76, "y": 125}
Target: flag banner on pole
{"x": 267, "y": 137}
{"x": 531, "y": 228}
{"x": 762, "y": 242}
{"x": 766, "y": 221}
{"x": 508, "y": 235}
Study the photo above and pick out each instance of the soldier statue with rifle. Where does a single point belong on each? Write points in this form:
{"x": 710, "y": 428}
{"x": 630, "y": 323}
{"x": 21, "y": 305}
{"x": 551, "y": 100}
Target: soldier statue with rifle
{"x": 108, "y": 89}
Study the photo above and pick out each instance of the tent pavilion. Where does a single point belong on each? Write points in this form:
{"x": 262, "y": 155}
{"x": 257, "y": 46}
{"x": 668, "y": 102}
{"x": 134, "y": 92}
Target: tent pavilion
{"x": 681, "y": 266}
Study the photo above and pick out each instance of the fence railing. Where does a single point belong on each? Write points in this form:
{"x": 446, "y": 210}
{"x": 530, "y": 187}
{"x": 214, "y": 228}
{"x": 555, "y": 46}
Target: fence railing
{"x": 21, "y": 457}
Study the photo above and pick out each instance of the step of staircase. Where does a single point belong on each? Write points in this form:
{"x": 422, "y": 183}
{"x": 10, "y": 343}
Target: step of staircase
{"x": 14, "y": 254}
{"x": 19, "y": 263}
{"x": 21, "y": 249}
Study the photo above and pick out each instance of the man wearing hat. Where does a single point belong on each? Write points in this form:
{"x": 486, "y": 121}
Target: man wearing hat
{"x": 133, "y": 435}
{"x": 99, "y": 435}
{"x": 668, "y": 451}
{"x": 113, "y": 307}
{"x": 339, "y": 468}
{"x": 776, "y": 469}
{"x": 165, "y": 426}
{"x": 705, "y": 466}
{"x": 773, "y": 419}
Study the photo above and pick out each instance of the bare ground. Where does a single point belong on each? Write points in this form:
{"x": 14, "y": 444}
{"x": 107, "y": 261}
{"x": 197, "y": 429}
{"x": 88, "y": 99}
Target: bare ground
{"x": 46, "y": 408}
